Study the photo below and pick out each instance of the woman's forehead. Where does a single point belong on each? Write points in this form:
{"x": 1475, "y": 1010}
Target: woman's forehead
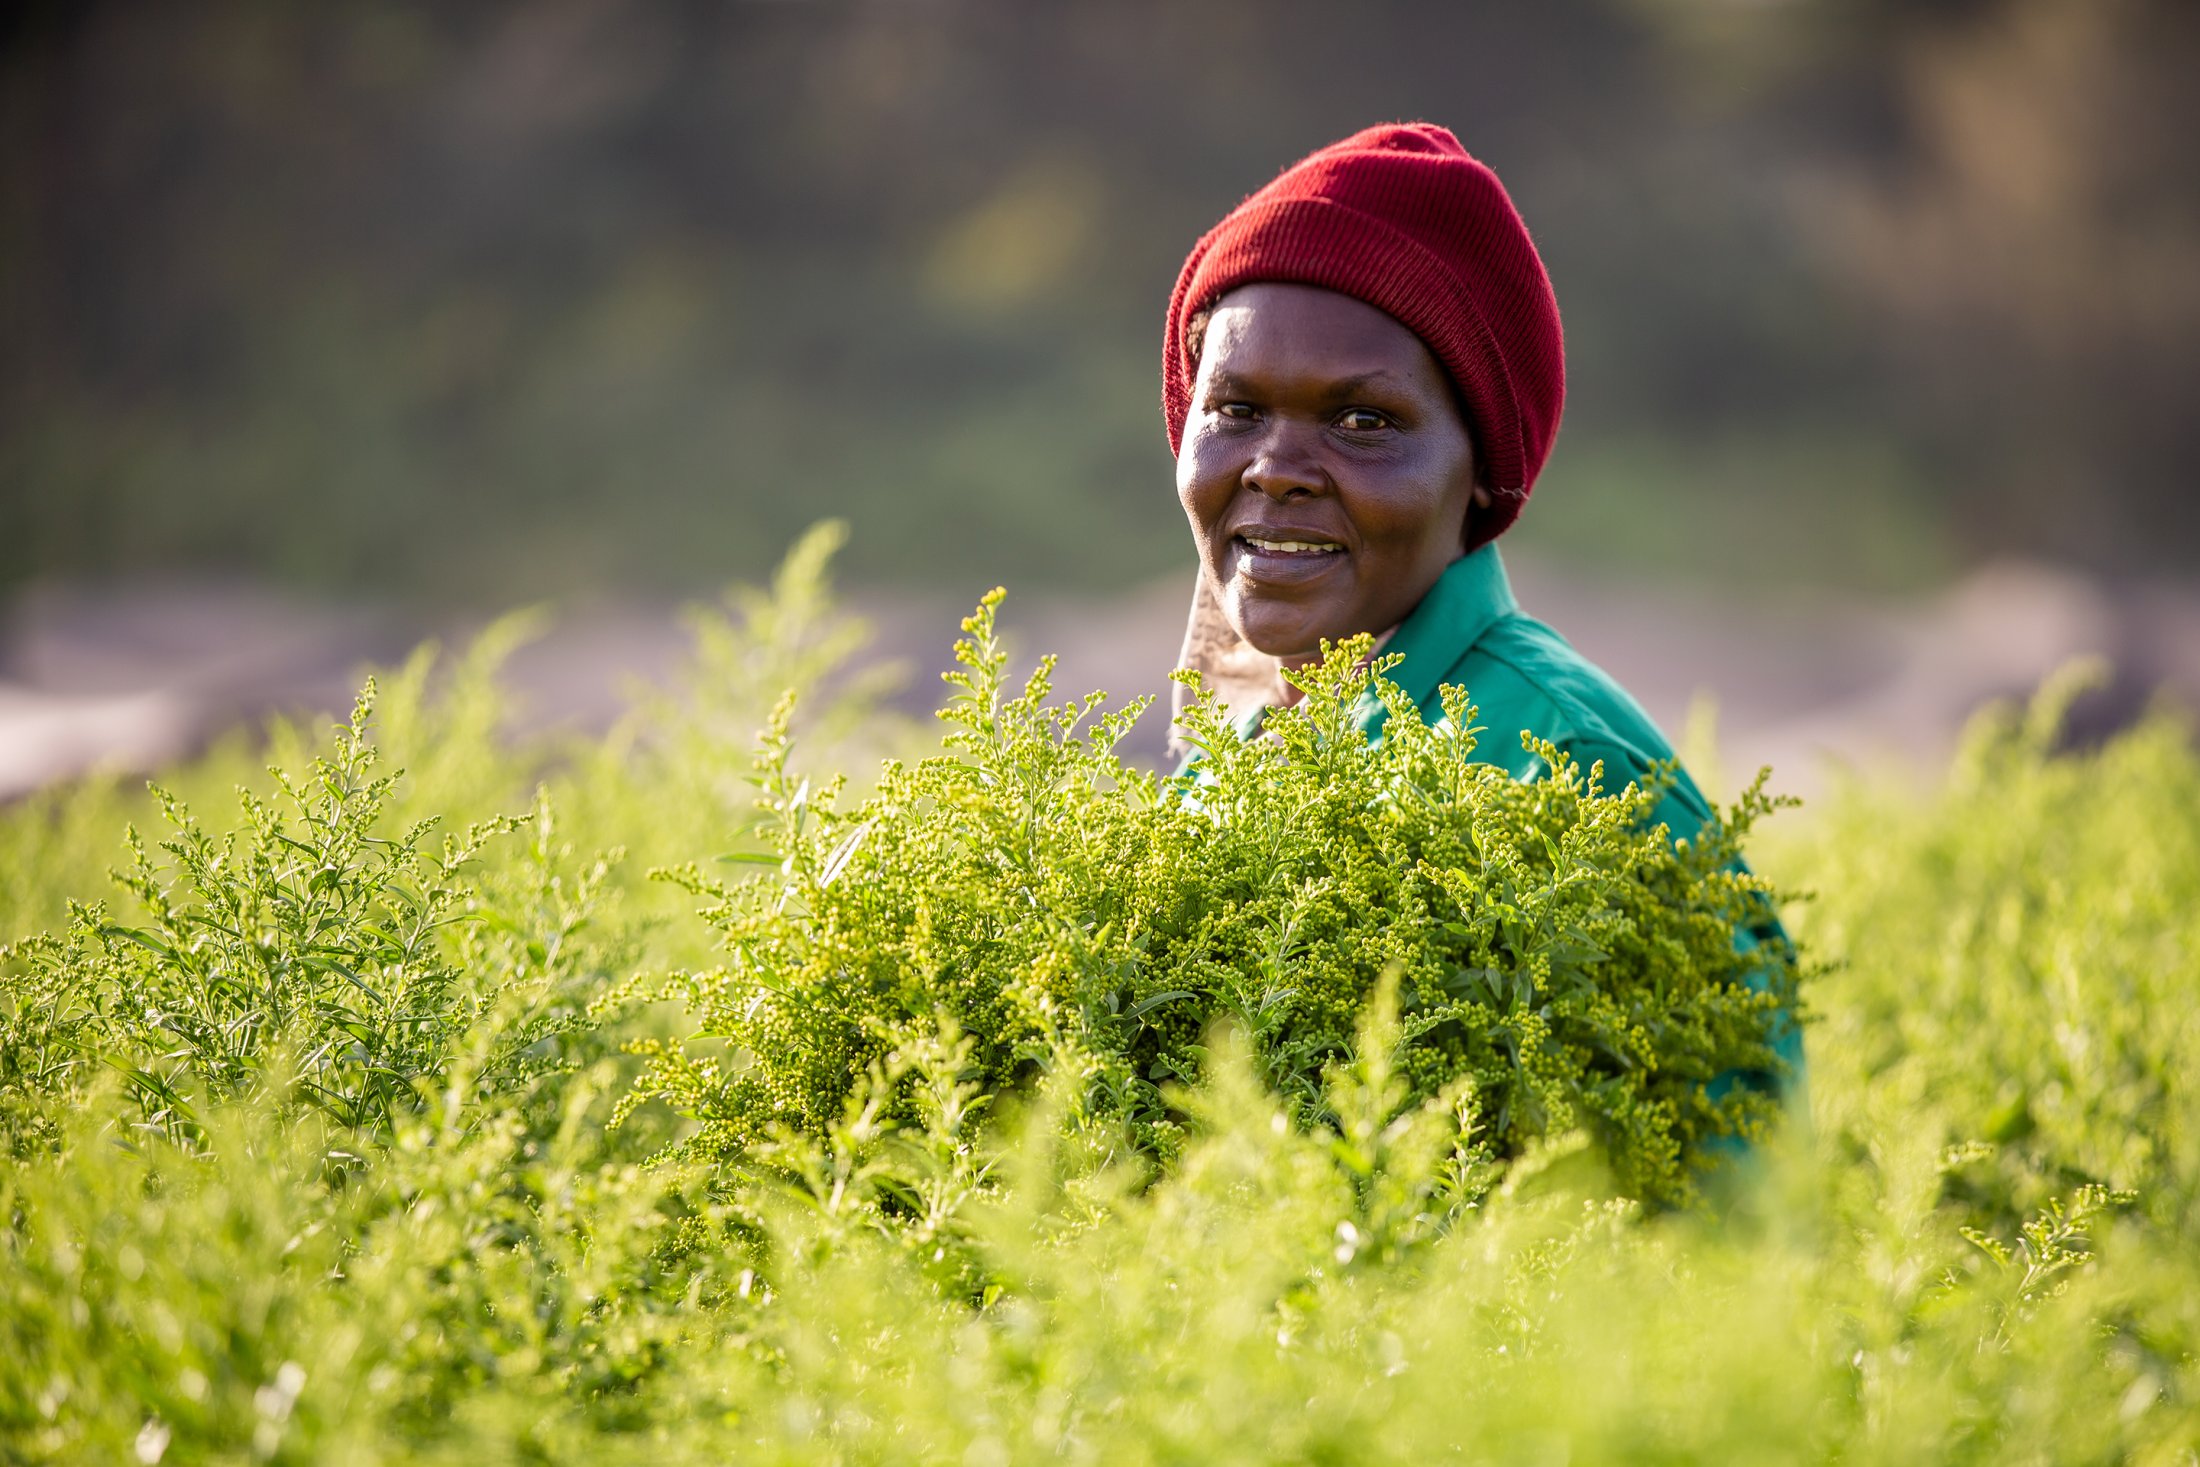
{"x": 1271, "y": 327}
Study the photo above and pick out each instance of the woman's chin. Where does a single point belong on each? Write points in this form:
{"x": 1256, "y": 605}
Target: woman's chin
{"x": 1279, "y": 632}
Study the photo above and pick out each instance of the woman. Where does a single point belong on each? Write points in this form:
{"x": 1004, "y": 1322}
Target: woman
{"x": 1362, "y": 376}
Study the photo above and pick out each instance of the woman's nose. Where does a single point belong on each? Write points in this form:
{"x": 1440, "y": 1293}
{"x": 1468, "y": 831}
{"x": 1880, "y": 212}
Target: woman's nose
{"x": 1284, "y": 467}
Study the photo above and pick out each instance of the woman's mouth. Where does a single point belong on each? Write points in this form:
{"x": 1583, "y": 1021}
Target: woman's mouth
{"x": 1263, "y": 545}
{"x": 1290, "y": 546}
{"x": 1286, "y": 560}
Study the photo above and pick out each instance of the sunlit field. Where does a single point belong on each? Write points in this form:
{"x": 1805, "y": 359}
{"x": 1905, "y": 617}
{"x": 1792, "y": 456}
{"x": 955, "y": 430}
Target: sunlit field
{"x": 777, "y": 1080}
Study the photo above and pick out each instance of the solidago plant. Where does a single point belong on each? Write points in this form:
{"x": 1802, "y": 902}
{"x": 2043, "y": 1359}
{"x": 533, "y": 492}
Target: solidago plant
{"x": 1558, "y": 962}
{"x": 1043, "y": 1109}
{"x": 321, "y": 954}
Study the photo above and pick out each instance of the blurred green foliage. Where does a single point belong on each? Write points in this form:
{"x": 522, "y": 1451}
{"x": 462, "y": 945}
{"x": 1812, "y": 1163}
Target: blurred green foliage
{"x": 494, "y": 304}
{"x": 1978, "y": 1248}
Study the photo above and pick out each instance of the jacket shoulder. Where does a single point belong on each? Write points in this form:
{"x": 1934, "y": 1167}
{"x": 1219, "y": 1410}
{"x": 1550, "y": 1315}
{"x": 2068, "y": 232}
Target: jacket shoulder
{"x": 1574, "y": 704}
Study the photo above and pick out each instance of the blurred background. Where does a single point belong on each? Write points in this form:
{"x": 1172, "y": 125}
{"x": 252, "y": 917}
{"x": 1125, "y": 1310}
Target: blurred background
{"x": 326, "y": 327}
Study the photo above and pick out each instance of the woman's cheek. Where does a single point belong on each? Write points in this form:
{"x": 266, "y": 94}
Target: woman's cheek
{"x": 1408, "y": 512}
{"x": 1203, "y": 482}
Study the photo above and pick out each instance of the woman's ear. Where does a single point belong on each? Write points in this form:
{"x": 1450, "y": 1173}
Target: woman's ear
{"x": 1479, "y": 500}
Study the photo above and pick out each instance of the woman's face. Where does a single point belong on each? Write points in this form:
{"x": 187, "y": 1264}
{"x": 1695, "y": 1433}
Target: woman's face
{"x": 1324, "y": 468}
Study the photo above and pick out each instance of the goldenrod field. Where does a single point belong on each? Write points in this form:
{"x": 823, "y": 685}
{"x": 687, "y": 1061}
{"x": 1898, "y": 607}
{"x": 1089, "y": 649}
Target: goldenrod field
{"x": 335, "y": 1137}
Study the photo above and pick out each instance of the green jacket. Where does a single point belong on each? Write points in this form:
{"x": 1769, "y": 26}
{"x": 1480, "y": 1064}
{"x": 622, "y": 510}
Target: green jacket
{"x": 1469, "y": 632}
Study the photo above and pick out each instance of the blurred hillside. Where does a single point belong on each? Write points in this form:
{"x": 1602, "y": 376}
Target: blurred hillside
{"x": 474, "y": 304}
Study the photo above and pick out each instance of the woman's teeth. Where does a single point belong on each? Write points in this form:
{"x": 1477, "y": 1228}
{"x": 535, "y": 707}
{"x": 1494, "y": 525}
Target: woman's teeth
{"x": 1290, "y": 547}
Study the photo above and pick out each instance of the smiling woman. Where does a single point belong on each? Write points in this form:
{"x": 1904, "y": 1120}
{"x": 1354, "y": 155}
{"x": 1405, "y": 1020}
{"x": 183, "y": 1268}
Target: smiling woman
{"x": 1361, "y": 378}
{"x": 1325, "y": 467}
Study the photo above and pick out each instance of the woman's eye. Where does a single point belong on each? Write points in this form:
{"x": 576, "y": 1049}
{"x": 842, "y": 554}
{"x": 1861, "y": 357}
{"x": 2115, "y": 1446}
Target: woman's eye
{"x": 1238, "y": 410}
{"x": 1361, "y": 420}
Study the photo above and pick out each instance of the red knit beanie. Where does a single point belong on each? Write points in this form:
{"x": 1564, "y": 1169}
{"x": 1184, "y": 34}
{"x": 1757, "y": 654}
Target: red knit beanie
{"x": 1399, "y": 216}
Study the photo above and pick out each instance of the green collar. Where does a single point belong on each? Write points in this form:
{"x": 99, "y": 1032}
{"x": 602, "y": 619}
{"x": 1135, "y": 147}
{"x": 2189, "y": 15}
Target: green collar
{"x": 1471, "y": 596}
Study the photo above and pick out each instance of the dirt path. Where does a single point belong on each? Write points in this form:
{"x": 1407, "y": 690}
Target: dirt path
{"x": 137, "y": 677}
